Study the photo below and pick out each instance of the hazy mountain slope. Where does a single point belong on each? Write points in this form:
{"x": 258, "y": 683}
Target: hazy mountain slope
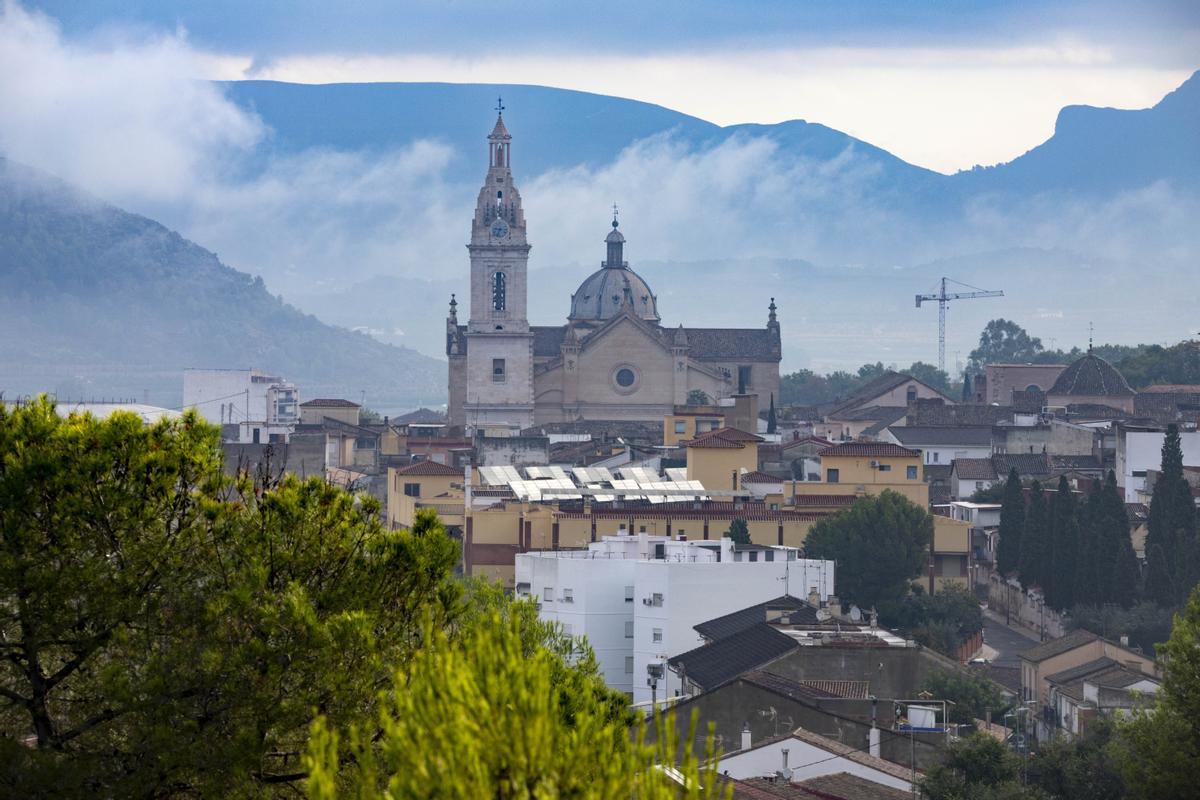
{"x": 1107, "y": 150}
{"x": 558, "y": 128}
{"x": 98, "y": 301}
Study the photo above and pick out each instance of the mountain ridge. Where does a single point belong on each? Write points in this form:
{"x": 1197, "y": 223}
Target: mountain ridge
{"x": 99, "y": 299}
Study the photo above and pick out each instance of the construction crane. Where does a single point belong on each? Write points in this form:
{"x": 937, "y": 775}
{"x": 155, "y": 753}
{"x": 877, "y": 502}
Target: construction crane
{"x": 943, "y": 299}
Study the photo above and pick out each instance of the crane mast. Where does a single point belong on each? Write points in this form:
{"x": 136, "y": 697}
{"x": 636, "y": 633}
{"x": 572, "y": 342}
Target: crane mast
{"x": 943, "y": 299}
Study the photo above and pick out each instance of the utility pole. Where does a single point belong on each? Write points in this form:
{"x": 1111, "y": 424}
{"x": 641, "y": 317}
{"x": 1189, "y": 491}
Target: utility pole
{"x": 943, "y": 299}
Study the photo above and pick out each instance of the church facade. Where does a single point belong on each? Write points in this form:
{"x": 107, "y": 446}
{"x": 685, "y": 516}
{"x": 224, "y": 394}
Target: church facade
{"x": 613, "y": 359}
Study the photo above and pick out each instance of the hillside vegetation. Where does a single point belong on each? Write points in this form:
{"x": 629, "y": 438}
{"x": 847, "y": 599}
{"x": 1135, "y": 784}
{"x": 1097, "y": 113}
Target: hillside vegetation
{"x": 98, "y": 301}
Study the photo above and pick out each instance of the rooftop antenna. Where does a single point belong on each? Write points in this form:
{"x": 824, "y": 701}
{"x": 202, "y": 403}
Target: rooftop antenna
{"x": 1091, "y": 329}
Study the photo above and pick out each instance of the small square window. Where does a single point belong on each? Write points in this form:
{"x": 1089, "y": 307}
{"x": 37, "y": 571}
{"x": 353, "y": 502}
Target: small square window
{"x": 628, "y": 629}
{"x": 754, "y": 555}
{"x": 656, "y": 599}
{"x": 568, "y": 596}
{"x": 628, "y": 665}
{"x": 548, "y": 594}
{"x": 911, "y": 473}
{"x": 769, "y": 555}
{"x": 628, "y": 594}
{"x": 885, "y": 467}
{"x": 412, "y": 489}
{"x": 831, "y": 476}
{"x": 680, "y": 426}
{"x": 656, "y": 635}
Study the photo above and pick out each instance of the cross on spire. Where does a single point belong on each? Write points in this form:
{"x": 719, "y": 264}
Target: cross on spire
{"x": 614, "y": 215}
{"x": 499, "y": 106}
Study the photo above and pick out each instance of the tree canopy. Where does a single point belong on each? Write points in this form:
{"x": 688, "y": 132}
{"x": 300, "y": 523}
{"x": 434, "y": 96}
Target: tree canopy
{"x": 880, "y": 544}
{"x": 1171, "y": 546}
{"x": 166, "y": 630}
{"x": 1159, "y": 749}
{"x": 1003, "y": 341}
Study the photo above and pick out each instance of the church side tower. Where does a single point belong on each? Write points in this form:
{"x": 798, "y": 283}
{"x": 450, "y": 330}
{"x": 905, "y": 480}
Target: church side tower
{"x": 499, "y": 343}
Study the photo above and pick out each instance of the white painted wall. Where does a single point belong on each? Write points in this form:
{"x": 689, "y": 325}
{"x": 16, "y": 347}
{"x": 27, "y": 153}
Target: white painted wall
{"x": 1143, "y": 451}
{"x": 805, "y": 760}
{"x": 694, "y": 585}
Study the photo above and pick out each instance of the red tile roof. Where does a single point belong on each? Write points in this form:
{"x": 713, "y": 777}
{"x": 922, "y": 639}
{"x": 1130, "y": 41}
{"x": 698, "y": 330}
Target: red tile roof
{"x": 870, "y": 449}
{"x": 761, "y": 477}
{"x": 428, "y": 468}
{"x": 327, "y": 402}
{"x": 723, "y": 437}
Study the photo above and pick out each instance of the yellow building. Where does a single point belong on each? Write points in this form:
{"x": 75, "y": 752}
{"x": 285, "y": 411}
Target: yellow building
{"x": 314, "y": 412}
{"x": 867, "y": 468}
{"x": 424, "y": 484}
{"x": 950, "y": 554}
{"x": 688, "y": 422}
{"x": 493, "y": 536}
{"x": 719, "y": 458}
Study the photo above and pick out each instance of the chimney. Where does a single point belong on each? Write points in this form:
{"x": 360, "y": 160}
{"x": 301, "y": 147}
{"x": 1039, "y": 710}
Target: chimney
{"x": 1124, "y": 640}
{"x": 835, "y": 605}
{"x": 814, "y": 597}
{"x": 784, "y": 753}
{"x": 747, "y": 739}
{"x": 643, "y": 546}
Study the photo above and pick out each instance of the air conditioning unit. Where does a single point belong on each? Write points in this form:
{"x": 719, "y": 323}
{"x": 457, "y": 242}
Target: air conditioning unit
{"x": 647, "y": 601}
{"x": 873, "y": 463}
{"x": 654, "y": 670}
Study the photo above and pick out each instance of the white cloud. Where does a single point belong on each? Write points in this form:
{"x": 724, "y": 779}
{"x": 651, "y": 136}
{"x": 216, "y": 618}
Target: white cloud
{"x": 127, "y": 118}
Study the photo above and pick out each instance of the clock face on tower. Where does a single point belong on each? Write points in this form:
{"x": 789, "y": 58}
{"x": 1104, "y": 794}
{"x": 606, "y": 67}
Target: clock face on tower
{"x": 499, "y": 229}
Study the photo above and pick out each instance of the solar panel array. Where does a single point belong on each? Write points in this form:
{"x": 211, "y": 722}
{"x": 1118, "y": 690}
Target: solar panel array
{"x": 635, "y": 483}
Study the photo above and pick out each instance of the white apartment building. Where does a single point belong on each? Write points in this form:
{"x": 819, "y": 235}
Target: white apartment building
{"x": 264, "y": 407}
{"x": 637, "y": 597}
{"x": 1141, "y": 451}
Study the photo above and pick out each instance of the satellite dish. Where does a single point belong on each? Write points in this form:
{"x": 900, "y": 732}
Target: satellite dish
{"x": 823, "y": 615}
{"x": 855, "y": 614}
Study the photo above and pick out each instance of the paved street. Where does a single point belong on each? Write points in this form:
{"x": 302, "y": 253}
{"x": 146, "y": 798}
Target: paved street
{"x": 1005, "y": 641}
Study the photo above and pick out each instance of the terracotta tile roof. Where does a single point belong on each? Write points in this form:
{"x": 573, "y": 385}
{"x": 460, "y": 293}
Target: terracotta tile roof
{"x": 1171, "y": 388}
{"x": 853, "y": 754}
{"x": 329, "y": 402}
{"x": 916, "y": 436}
{"x": 844, "y": 786}
{"x": 428, "y": 468}
{"x": 1091, "y": 376}
{"x": 711, "y": 665}
{"x": 723, "y": 438}
{"x": 973, "y": 469}
{"x": 870, "y": 449}
{"x": 739, "y": 620}
{"x": 761, "y": 477}
{"x": 785, "y": 687}
{"x": 753, "y": 344}
{"x": 807, "y": 440}
{"x": 1054, "y": 647}
{"x": 823, "y": 500}
{"x": 1028, "y": 465}
{"x": 870, "y": 413}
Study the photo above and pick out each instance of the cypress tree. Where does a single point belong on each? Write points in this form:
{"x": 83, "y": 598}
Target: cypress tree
{"x": 1034, "y": 538}
{"x": 1064, "y": 546}
{"x": 1171, "y": 539}
{"x": 1120, "y": 562}
{"x": 1092, "y": 550}
{"x": 772, "y": 421}
{"x": 1012, "y": 521}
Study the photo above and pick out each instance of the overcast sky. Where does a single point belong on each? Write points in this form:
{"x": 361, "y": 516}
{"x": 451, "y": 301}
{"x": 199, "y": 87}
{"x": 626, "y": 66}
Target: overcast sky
{"x": 945, "y": 84}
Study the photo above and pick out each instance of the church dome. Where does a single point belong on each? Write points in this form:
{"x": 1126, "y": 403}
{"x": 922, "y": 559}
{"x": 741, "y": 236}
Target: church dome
{"x": 602, "y": 294}
{"x": 605, "y": 292}
{"x": 1091, "y": 376}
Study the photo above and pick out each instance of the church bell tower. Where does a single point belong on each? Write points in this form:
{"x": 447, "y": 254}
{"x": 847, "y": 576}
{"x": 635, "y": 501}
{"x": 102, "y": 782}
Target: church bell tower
{"x": 499, "y": 344}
